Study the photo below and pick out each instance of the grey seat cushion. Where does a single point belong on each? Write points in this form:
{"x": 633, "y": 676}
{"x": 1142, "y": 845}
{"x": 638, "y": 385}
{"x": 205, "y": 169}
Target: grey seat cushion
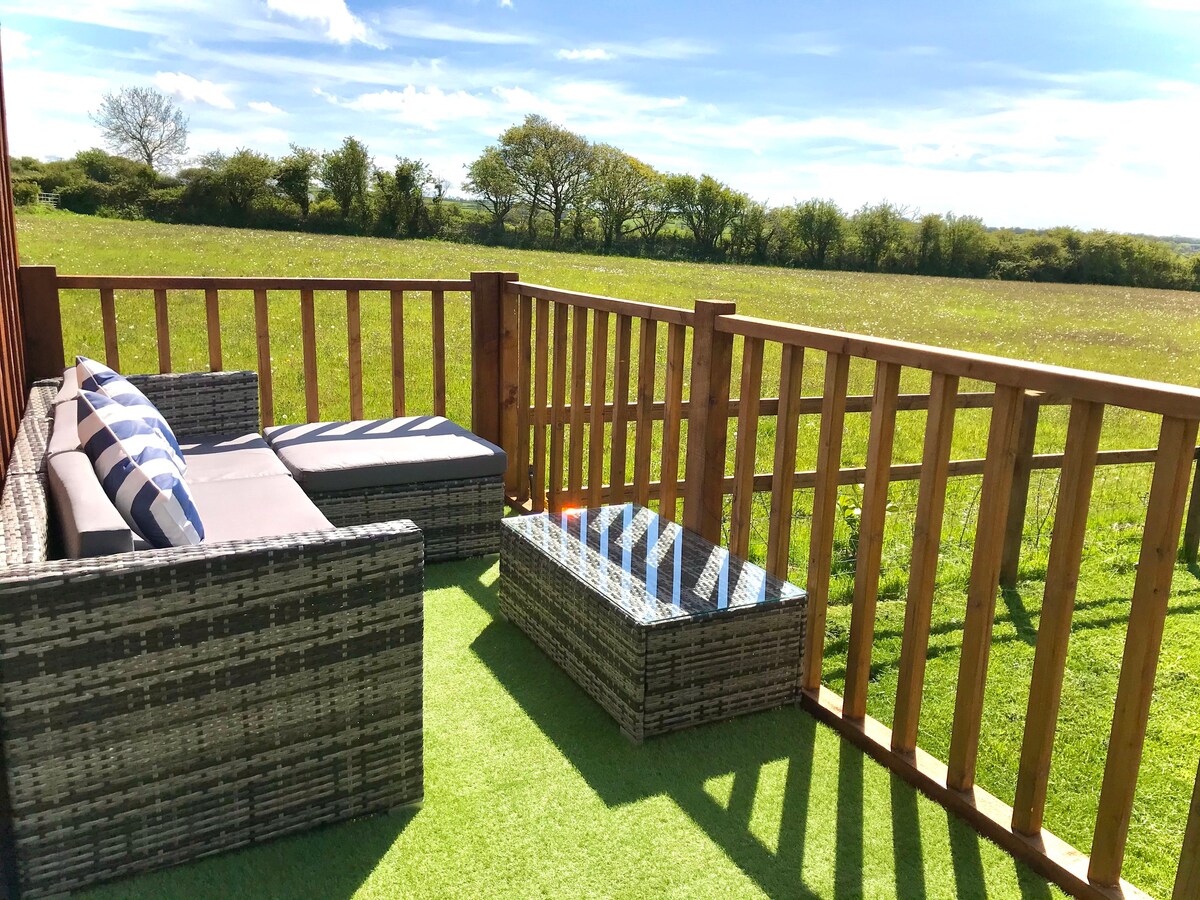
{"x": 339, "y": 456}
{"x": 237, "y": 456}
{"x": 242, "y": 509}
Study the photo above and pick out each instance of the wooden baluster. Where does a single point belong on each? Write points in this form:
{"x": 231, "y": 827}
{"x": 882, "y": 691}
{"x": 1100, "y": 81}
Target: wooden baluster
{"x": 541, "y": 417}
{"x": 354, "y": 355}
{"x": 399, "y": 401}
{"x": 998, "y": 467}
{"x": 308, "y": 340}
{"x": 922, "y": 573}
{"x": 524, "y": 373}
{"x": 262, "y": 331}
{"x": 163, "y": 327}
{"x": 671, "y": 418}
{"x": 516, "y": 476}
{"x": 595, "y": 483}
{"x": 1014, "y": 530}
{"x": 1187, "y": 876}
{"x": 1058, "y": 605}
{"x": 644, "y": 444}
{"x": 559, "y": 402}
{"x": 578, "y": 386}
{"x": 783, "y": 483}
{"x": 820, "y": 553}
{"x": 745, "y": 454}
{"x": 1143, "y": 640}
{"x": 438, "y": 328}
{"x": 870, "y": 542}
{"x": 212, "y": 315}
{"x": 108, "y": 318}
{"x": 620, "y": 418}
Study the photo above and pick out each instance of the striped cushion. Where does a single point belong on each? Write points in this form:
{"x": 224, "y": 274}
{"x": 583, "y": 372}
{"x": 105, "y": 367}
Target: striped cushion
{"x": 97, "y": 377}
{"x": 136, "y": 468}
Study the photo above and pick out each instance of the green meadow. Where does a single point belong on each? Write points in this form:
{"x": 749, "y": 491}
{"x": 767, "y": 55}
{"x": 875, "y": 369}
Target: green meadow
{"x": 1144, "y": 333}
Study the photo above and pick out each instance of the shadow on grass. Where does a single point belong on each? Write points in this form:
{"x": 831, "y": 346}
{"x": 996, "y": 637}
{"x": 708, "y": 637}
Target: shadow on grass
{"x": 326, "y": 863}
{"x": 679, "y": 765}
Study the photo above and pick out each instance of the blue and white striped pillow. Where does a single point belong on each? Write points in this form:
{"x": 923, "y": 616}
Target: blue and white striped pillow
{"x": 97, "y": 377}
{"x": 138, "y": 472}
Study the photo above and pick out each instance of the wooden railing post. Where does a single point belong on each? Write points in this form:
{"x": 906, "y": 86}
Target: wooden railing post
{"x": 42, "y": 317}
{"x": 1018, "y": 502}
{"x": 487, "y": 374}
{"x": 708, "y": 421}
{"x": 1187, "y": 878}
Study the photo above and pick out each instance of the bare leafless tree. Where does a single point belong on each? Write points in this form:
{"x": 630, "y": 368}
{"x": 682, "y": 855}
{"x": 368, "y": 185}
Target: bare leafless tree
{"x": 142, "y": 123}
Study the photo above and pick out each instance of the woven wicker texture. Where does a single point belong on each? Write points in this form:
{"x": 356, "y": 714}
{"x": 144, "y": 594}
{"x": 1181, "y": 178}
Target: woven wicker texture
{"x": 458, "y": 518}
{"x": 167, "y": 704}
{"x": 200, "y": 404}
{"x": 658, "y": 673}
{"x": 29, "y": 451}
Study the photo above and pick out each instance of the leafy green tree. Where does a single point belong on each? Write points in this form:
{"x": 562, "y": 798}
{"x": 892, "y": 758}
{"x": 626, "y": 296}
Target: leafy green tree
{"x": 879, "y": 229}
{"x": 656, "y": 208}
{"x": 751, "y": 233}
{"x": 707, "y": 206}
{"x": 551, "y": 165}
{"x": 399, "y": 196}
{"x": 144, "y": 124}
{"x": 929, "y": 244}
{"x": 966, "y": 247}
{"x": 294, "y": 176}
{"x": 244, "y": 178}
{"x": 491, "y": 179}
{"x": 620, "y": 184}
{"x": 818, "y": 227}
{"x": 345, "y": 173}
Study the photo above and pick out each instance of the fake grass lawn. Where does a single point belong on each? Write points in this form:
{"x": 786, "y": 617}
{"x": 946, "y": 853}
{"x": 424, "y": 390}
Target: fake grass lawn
{"x": 531, "y": 791}
{"x": 1145, "y": 333}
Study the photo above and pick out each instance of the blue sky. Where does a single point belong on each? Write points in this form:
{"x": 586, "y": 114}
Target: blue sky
{"x": 1025, "y": 113}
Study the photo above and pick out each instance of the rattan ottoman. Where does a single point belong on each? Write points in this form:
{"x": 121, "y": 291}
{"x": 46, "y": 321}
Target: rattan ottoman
{"x": 662, "y": 628}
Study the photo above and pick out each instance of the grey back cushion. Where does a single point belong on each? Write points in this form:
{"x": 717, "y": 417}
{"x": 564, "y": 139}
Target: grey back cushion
{"x": 87, "y": 520}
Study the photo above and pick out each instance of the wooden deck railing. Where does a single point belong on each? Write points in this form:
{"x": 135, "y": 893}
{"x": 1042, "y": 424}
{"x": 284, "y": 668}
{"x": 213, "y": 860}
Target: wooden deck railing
{"x": 586, "y": 393}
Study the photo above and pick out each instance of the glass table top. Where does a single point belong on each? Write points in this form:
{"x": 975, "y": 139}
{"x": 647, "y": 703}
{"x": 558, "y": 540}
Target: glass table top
{"x": 651, "y": 569}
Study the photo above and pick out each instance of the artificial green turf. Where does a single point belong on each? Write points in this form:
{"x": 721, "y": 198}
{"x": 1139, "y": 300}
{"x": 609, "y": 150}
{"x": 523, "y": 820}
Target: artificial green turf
{"x": 1145, "y": 333}
{"x": 531, "y": 791}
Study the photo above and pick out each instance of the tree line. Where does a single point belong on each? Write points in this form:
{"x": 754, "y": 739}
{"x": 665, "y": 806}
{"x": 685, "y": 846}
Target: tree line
{"x": 542, "y": 185}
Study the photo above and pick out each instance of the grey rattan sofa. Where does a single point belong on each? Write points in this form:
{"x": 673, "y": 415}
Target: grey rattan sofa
{"x": 161, "y": 705}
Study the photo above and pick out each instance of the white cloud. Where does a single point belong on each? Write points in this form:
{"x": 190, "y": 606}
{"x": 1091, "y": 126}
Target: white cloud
{"x": 266, "y": 108}
{"x": 340, "y": 24}
{"x": 411, "y": 24}
{"x": 506, "y": 4}
{"x": 15, "y": 45}
{"x": 424, "y": 107}
{"x": 585, "y": 54}
{"x": 189, "y": 88}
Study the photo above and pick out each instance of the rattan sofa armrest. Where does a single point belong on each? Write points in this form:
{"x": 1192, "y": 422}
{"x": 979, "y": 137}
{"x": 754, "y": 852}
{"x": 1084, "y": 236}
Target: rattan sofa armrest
{"x": 202, "y": 404}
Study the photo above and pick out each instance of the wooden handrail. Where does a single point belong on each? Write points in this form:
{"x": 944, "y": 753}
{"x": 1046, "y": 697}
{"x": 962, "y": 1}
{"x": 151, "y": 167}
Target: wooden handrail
{"x": 250, "y": 283}
{"x": 672, "y": 315}
{"x": 1113, "y": 390}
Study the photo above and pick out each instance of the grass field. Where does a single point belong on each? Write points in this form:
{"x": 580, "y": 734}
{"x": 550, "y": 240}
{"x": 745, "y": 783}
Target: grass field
{"x": 1153, "y": 334}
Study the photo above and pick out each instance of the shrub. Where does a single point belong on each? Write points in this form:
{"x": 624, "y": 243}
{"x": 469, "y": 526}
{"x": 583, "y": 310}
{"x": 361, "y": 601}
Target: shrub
{"x": 25, "y": 193}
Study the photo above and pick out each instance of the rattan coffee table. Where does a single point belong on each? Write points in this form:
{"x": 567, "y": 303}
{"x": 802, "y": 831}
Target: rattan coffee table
{"x": 662, "y": 628}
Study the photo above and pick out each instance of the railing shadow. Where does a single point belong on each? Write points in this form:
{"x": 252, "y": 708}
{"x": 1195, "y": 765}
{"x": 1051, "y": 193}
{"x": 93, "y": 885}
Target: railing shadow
{"x": 680, "y": 765}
